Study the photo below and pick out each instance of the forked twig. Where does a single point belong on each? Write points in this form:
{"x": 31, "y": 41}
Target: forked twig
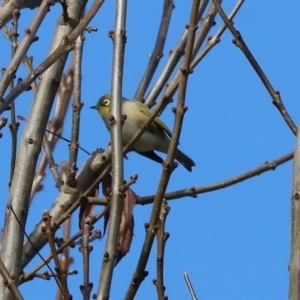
{"x": 193, "y": 191}
{"x": 157, "y": 52}
{"x": 76, "y": 105}
{"x": 9, "y": 282}
{"x": 68, "y": 243}
{"x": 172, "y": 62}
{"x": 139, "y": 273}
{"x": 240, "y": 43}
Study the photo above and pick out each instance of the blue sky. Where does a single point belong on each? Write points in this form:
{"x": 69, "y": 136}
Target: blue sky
{"x": 234, "y": 243}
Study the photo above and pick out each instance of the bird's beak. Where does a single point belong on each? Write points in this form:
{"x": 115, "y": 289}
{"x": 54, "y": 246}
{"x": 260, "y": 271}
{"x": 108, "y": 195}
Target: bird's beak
{"x": 95, "y": 107}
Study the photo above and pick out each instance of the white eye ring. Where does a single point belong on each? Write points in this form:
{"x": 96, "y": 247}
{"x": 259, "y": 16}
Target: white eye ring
{"x": 106, "y": 102}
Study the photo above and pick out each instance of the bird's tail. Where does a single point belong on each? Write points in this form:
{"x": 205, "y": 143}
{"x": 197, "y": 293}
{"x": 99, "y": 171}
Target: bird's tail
{"x": 187, "y": 162}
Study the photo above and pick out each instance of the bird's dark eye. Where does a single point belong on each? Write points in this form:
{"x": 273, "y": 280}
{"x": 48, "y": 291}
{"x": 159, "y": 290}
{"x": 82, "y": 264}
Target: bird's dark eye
{"x": 106, "y": 102}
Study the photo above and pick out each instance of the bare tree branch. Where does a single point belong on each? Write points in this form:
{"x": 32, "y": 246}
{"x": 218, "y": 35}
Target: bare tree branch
{"x": 9, "y": 282}
{"x": 162, "y": 238}
{"x": 8, "y": 6}
{"x": 77, "y": 105}
{"x": 157, "y": 52}
{"x": 139, "y": 273}
{"x": 294, "y": 266}
{"x": 69, "y": 243}
{"x": 13, "y": 126}
{"x": 212, "y": 41}
{"x": 190, "y": 286}
{"x": 68, "y": 201}
{"x": 193, "y": 191}
{"x": 66, "y": 45}
{"x": 55, "y": 126}
{"x": 86, "y": 249}
{"x": 23, "y": 47}
{"x": 172, "y": 62}
{"x": 12, "y": 246}
{"x": 117, "y": 152}
{"x": 47, "y": 229}
{"x": 239, "y": 42}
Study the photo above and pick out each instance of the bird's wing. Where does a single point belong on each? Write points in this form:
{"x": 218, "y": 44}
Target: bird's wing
{"x": 157, "y": 120}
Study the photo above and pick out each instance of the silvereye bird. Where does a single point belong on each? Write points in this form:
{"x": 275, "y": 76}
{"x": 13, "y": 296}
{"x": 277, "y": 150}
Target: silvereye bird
{"x": 155, "y": 137}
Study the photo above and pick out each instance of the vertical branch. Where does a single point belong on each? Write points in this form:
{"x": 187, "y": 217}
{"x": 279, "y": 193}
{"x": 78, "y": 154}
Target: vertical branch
{"x": 86, "y": 250}
{"x": 65, "y": 260}
{"x": 212, "y": 41}
{"x": 117, "y": 152}
{"x": 294, "y": 266}
{"x": 275, "y": 95}
{"x": 77, "y": 105}
{"x": 28, "y": 39}
{"x": 12, "y": 245}
{"x": 140, "y": 273}
{"x": 55, "y": 126}
{"x": 48, "y": 229}
{"x": 13, "y": 126}
{"x": 206, "y": 25}
{"x": 157, "y": 53}
{"x": 173, "y": 60}
{"x": 162, "y": 237}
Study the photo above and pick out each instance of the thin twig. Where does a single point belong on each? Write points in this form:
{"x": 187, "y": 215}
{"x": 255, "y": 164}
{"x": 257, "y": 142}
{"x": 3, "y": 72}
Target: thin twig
{"x": 68, "y": 243}
{"x": 139, "y": 273}
{"x": 69, "y": 200}
{"x": 61, "y": 276}
{"x": 212, "y": 41}
{"x": 157, "y": 52}
{"x": 172, "y": 62}
{"x": 206, "y": 25}
{"x": 116, "y": 152}
{"x": 193, "y": 191}
{"x": 162, "y": 238}
{"x": 28, "y": 39}
{"x": 65, "y": 259}
{"x": 77, "y": 105}
{"x": 9, "y": 282}
{"x": 240, "y": 43}
{"x": 8, "y": 6}
{"x": 27, "y": 59}
{"x": 86, "y": 249}
{"x": 190, "y": 286}
{"x": 13, "y": 126}
{"x": 65, "y": 47}
{"x": 36, "y": 251}
{"x": 55, "y": 126}
{"x": 51, "y": 163}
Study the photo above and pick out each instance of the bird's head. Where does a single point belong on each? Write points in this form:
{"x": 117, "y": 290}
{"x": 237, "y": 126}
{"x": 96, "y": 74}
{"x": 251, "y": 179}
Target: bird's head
{"x": 103, "y": 106}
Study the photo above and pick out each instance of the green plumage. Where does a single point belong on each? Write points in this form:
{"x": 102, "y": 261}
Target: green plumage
{"x": 156, "y": 136}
